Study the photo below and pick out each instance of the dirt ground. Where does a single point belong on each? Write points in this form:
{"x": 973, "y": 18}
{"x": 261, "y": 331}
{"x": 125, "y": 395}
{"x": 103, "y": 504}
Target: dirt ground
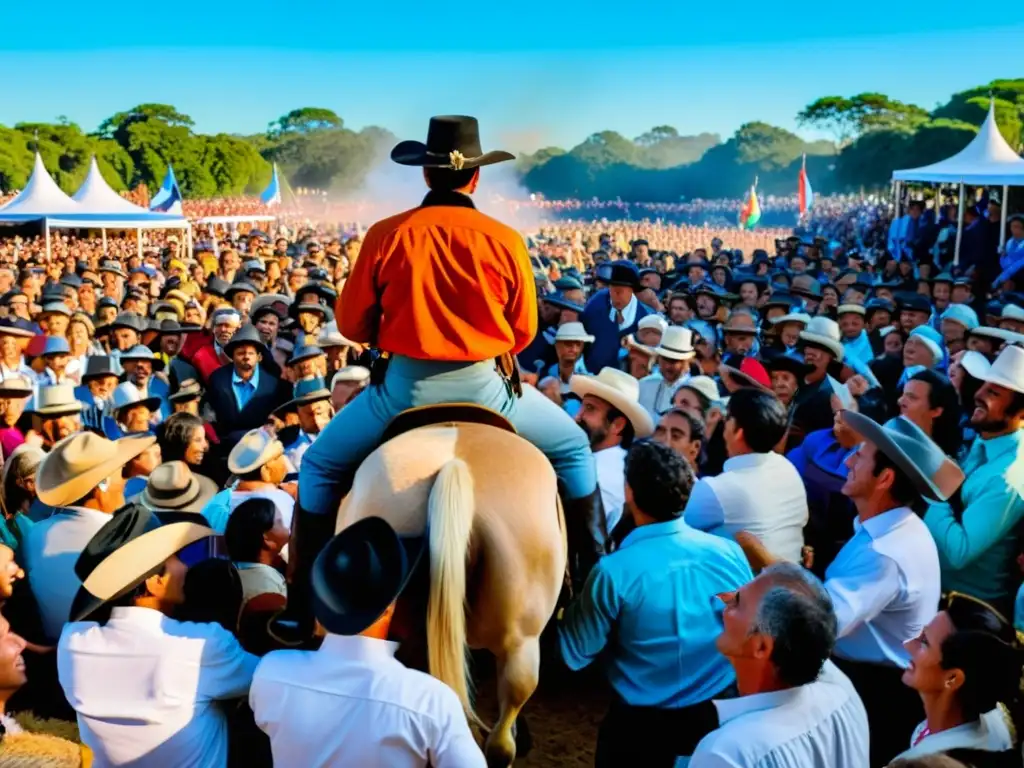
{"x": 562, "y": 716}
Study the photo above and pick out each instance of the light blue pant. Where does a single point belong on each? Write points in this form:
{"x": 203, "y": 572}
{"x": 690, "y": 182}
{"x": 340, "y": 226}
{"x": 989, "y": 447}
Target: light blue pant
{"x": 330, "y": 463}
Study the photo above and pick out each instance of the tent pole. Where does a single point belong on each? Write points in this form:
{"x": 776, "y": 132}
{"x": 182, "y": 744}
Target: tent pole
{"x": 1002, "y": 216}
{"x": 103, "y": 232}
{"x": 188, "y": 234}
{"x": 959, "y": 226}
{"x": 138, "y": 238}
{"x": 46, "y": 226}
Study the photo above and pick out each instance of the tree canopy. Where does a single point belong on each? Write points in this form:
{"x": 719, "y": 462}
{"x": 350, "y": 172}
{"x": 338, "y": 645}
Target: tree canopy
{"x": 312, "y": 146}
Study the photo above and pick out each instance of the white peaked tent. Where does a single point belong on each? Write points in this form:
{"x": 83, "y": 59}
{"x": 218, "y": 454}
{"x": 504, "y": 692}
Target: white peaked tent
{"x": 40, "y": 198}
{"x": 987, "y": 161}
{"x": 98, "y": 197}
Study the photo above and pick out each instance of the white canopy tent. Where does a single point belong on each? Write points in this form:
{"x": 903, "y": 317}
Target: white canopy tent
{"x": 988, "y": 160}
{"x": 94, "y": 206}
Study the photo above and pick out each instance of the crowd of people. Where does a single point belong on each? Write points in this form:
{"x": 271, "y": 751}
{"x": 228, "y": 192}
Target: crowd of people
{"x": 791, "y": 470}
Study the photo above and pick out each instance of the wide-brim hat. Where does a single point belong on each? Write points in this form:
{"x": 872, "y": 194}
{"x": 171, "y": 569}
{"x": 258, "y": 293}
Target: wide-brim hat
{"x": 704, "y": 386}
{"x": 189, "y": 390}
{"x": 308, "y": 391}
{"x": 997, "y": 334}
{"x": 740, "y": 322}
{"x": 360, "y": 572}
{"x": 305, "y": 352}
{"x": 15, "y": 386}
{"x": 309, "y": 306}
{"x": 79, "y": 462}
{"x": 906, "y": 445}
{"x": 676, "y": 343}
{"x": 246, "y": 334}
{"x": 620, "y": 390}
{"x": 747, "y": 372}
{"x": 8, "y": 328}
{"x": 256, "y": 448}
{"x": 786, "y": 362}
{"x": 97, "y": 366}
{"x": 56, "y": 400}
{"x": 557, "y": 301}
{"x": 266, "y": 301}
{"x": 1007, "y": 371}
{"x": 573, "y": 332}
{"x": 824, "y": 332}
{"x": 173, "y": 487}
{"x": 126, "y": 551}
{"x": 453, "y": 141}
{"x": 142, "y": 352}
{"x": 127, "y": 395}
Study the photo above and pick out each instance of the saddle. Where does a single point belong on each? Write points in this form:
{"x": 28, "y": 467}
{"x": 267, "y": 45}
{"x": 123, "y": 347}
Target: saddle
{"x": 444, "y": 413}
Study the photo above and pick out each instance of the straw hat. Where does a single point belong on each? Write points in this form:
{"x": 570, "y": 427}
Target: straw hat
{"x": 79, "y": 462}
{"x": 256, "y": 448}
{"x": 824, "y": 332}
{"x": 676, "y": 343}
{"x": 56, "y": 400}
{"x": 619, "y": 390}
{"x": 173, "y": 486}
{"x": 125, "y": 552}
{"x": 851, "y": 309}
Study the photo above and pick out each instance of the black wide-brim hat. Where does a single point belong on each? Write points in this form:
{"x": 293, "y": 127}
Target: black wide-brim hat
{"x": 453, "y": 141}
{"x": 360, "y": 573}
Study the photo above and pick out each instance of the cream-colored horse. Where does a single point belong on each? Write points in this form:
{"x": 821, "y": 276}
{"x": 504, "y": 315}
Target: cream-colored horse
{"x": 496, "y": 544}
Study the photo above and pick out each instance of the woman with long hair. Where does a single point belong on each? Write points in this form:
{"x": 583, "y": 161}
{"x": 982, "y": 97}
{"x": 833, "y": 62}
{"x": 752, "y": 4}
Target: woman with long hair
{"x": 966, "y": 665}
{"x": 932, "y": 402}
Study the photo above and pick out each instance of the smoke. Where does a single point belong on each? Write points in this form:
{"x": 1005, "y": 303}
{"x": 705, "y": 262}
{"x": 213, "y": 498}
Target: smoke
{"x": 390, "y": 188}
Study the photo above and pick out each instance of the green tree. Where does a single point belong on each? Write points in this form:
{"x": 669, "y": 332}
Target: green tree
{"x": 305, "y": 120}
{"x": 605, "y": 148}
{"x": 848, "y": 118}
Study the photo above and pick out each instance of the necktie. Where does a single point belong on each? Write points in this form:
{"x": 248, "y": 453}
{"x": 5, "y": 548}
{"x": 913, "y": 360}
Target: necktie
{"x": 619, "y": 319}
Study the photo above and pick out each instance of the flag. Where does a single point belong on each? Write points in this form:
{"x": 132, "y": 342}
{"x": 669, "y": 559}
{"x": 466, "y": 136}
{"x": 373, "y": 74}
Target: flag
{"x": 751, "y": 213}
{"x": 168, "y": 198}
{"x": 272, "y": 194}
{"x": 804, "y": 193}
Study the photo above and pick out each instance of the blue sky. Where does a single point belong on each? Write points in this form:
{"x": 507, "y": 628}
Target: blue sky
{"x": 535, "y": 73}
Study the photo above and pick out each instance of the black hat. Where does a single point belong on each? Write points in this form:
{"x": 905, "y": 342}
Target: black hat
{"x": 774, "y": 360}
{"x": 360, "y": 573}
{"x": 622, "y": 272}
{"x": 247, "y": 334}
{"x": 914, "y": 302}
{"x": 241, "y": 286}
{"x": 216, "y": 287}
{"x": 557, "y": 300}
{"x": 132, "y": 320}
{"x": 323, "y": 292}
{"x": 453, "y": 141}
{"x": 308, "y": 306}
{"x": 878, "y": 304}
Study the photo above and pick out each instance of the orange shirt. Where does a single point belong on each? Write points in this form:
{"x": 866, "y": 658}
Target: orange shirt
{"x": 441, "y": 283}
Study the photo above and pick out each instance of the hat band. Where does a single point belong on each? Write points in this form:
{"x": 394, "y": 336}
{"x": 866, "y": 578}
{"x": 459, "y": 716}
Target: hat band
{"x": 676, "y": 350}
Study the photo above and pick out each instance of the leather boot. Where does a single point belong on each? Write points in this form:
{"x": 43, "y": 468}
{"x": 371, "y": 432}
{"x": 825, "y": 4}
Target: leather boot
{"x": 310, "y": 533}
{"x": 586, "y": 530}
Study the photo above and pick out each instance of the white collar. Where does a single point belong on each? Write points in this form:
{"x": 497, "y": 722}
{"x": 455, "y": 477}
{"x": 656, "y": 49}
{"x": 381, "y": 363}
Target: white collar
{"x": 730, "y": 709}
{"x": 357, "y": 647}
{"x": 879, "y": 525}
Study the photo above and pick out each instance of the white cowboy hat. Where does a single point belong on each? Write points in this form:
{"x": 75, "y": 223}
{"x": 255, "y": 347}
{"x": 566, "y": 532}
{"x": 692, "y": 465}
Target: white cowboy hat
{"x": 792, "y": 317}
{"x": 355, "y": 373}
{"x": 1012, "y": 312}
{"x": 620, "y": 390}
{"x": 1007, "y": 371}
{"x": 676, "y": 343}
{"x": 56, "y": 400}
{"x": 824, "y": 332}
{"x": 657, "y": 322}
{"x": 573, "y": 332}
{"x": 81, "y": 461}
{"x": 976, "y": 364}
{"x": 704, "y": 386}
{"x": 256, "y": 448}
{"x": 850, "y": 309}
{"x": 1000, "y": 334}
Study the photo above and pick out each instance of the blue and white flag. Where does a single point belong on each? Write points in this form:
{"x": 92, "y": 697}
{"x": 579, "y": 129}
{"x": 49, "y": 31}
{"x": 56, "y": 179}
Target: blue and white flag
{"x": 272, "y": 194}
{"x": 168, "y": 197}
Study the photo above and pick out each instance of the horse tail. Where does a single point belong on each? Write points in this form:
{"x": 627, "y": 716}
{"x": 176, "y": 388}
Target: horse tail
{"x": 450, "y": 521}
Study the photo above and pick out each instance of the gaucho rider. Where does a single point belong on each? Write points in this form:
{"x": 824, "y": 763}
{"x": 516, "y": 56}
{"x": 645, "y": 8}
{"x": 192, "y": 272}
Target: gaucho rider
{"x": 448, "y": 295}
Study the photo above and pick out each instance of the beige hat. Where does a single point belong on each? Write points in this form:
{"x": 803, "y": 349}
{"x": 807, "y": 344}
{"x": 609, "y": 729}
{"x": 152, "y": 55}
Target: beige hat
{"x": 850, "y": 309}
{"x": 704, "y": 386}
{"x": 656, "y": 322}
{"x": 619, "y": 389}
{"x": 824, "y": 332}
{"x": 255, "y": 449}
{"x": 792, "y": 317}
{"x": 676, "y": 343}
{"x": 356, "y": 373}
{"x": 56, "y": 400}
{"x": 81, "y": 461}
{"x": 173, "y": 486}
{"x": 573, "y": 332}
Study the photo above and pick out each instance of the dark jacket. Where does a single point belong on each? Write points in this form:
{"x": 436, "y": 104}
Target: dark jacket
{"x": 231, "y": 423}
{"x": 596, "y": 318}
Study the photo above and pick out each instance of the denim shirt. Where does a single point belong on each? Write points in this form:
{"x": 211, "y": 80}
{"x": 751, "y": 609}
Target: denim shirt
{"x": 650, "y": 608}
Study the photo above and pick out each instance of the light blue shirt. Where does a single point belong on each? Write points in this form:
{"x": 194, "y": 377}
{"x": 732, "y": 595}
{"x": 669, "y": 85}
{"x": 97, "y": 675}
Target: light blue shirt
{"x": 858, "y": 349}
{"x": 244, "y": 390}
{"x": 978, "y": 554}
{"x": 651, "y": 607}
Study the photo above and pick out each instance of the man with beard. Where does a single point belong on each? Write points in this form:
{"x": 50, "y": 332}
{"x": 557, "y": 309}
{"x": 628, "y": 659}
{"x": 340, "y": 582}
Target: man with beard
{"x": 976, "y": 532}
{"x": 611, "y": 416}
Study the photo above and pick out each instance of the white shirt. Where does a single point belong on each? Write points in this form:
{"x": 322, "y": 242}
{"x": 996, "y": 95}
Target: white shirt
{"x": 759, "y": 492}
{"x": 50, "y": 551}
{"x": 656, "y": 393}
{"x": 353, "y": 704}
{"x": 884, "y": 584}
{"x": 628, "y": 314}
{"x": 610, "y": 464}
{"x": 144, "y": 688}
{"x": 819, "y": 725}
{"x": 990, "y": 733}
